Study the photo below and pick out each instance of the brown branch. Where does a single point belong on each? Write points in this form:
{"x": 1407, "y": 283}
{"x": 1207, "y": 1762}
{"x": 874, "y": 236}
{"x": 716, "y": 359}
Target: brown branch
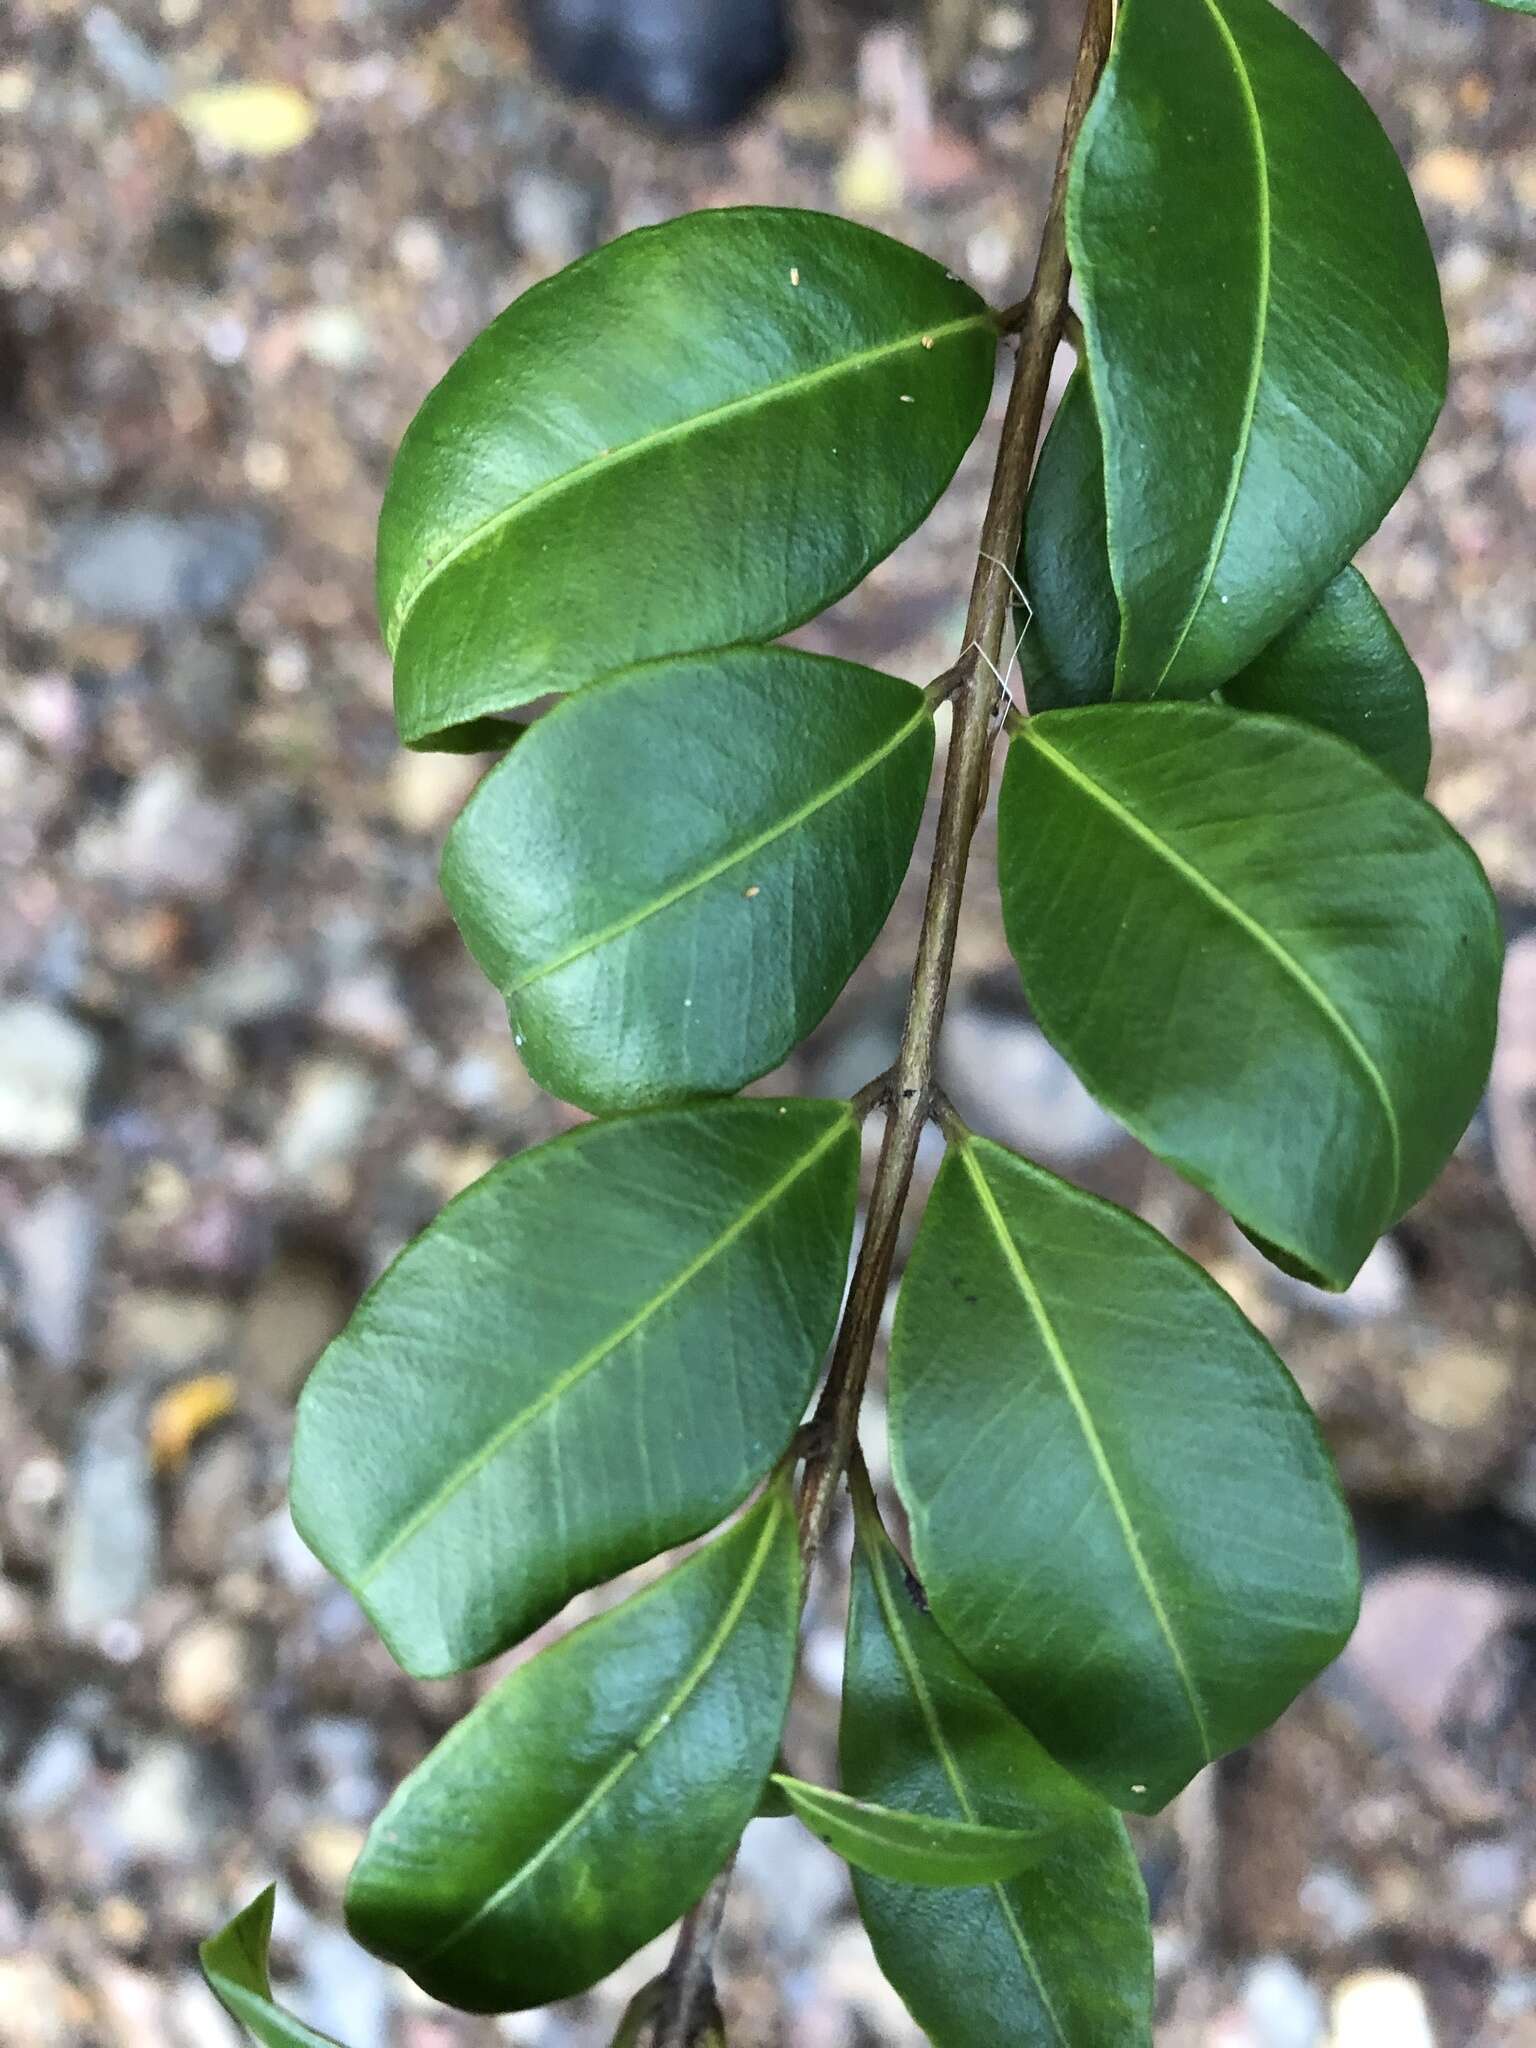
{"x": 972, "y": 687}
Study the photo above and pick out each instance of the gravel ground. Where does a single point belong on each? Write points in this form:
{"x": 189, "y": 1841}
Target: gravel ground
{"x": 243, "y": 1055}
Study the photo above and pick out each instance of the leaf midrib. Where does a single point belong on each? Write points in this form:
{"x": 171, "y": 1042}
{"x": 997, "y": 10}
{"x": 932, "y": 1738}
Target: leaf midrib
{"x": 679, "y": 430}
{"x": 1313, "y": 989}
{"x": 951, "y": 1841}
{"x": 749, "y": 851}
{"x": 1094, "y": 1442}
{"x": 467, "y": 1470}
{"x": 956, "y": 1777}
{"x": 691, "y": 1680}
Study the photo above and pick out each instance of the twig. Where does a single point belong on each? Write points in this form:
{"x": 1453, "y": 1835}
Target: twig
{"x": 1039, "y": 318}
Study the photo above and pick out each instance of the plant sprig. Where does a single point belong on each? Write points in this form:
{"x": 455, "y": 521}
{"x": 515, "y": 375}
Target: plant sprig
{"x": 1232, "y": 912}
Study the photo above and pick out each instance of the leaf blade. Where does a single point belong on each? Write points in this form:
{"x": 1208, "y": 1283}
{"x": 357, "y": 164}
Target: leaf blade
{"x": 676, "y": 930}
{"x": 503, "y": 1874}
{"x": 909, "y": 1848}
{"x": 1061, "y": 1953}
{"x": 1166, "y": 1558}
{"x": 619, "y": 418}
{"x": 235, "y": 1963}
{"x": 1315, "y": 954}
{"x": 1247, "y": 452}
{"x": 1339, "y": 665}
{"x": 429, "y": 1472}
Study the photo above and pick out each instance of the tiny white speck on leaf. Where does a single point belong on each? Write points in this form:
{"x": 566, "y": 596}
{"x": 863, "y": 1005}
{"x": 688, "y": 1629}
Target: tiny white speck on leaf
{"x": 907, "y": 398}
{"x": 927, "y": 341}
{"x": 794, "y": 273}
{"x": 1138, "y": 1788}
{"x": 755, "y": 890}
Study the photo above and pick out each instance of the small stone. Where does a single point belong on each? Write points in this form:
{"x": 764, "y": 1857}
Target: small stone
{"x": 157, "y": 1329}
{"x": 145, "y": 568}
{"x": 109, "y": 1544}
{"x": 1337, "y": 1903}
{"x": 798, "y": 1879}
{"x": 48, "y": 1061}
{"x": 162, "y": 1811}
{"x": 221, "y": 1489}
{"x": 552, "y": 217}
{"x": 256, "y": 119}
{"x": 1008, "y": 1080}
{"x": 298, "y": 1306}
{"x": 206, "y": 1671}
{"x": 1458, "y": 1386}
{"x": 1487, "y": 1876}
{"x": 170, "y": 838}
{"x": 54, "y": 1247}
{"x": 323, "y": 1124}
{"x": 1380, "y": 1288}
{"x": 346, "y": 1992}
{"x": 1283, "y": 2010}
{"x": 327, "y": 1850}
{"x": 1421, "y": 1630}
{"x": 427, "y": 791}
{"x": 53, "y": 1773}
{"x": 1451, "y": 177}
{"x": 1380, "y": 2009}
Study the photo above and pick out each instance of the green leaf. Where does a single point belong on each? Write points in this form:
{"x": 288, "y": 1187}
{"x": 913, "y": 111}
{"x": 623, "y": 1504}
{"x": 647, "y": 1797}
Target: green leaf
{"x": 674, "y": 874}
{"x": 1072, "y": 628}
{"x": 1517, "y": 6}
{"x": 589, "y": 1799}
{"x": 1121, "y": 1508}
{"x": 1274, "y": 965}
{"x": 235, "y": 1963}
{"x": 700, "y": 434}
{"x": 594, "y": 1353}
{"x": 1339, "y": 666}
{"x": 1342, "y": 667}
{"x": 911, "y": 1848}
{"x": 1263, "y": 326}
{"x": 1060, "y": 1954}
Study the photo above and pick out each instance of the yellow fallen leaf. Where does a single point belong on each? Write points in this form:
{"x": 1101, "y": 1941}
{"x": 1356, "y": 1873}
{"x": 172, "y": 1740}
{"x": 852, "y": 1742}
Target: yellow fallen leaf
{"x": 248, "y": 120}
{"x": 183, "y": 1412}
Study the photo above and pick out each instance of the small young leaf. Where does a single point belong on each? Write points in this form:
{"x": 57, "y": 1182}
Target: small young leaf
{"x": 672, "y": 876}
{"x": 699, "y": 435}
{"x": 911, "y": 1848}
{"x": 1273, "y": 964}
{"x": 1342, "y": 667}
{"x": 589, "y": 1799}
{"x": 1122, "y": 1512}
{"x": 1263, "y": 329}
{"x": 1060, "y": 1953}
{"x": 235, "y": 1963}
{"x": 595, "y": 1352}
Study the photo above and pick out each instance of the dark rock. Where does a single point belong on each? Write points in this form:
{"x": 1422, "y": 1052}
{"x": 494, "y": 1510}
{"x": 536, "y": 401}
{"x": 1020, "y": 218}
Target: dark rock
{"x": 682, "y": 64}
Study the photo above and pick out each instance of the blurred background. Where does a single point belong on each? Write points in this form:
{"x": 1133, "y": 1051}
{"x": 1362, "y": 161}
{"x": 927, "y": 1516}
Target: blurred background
{"x": 243, "y": 1055}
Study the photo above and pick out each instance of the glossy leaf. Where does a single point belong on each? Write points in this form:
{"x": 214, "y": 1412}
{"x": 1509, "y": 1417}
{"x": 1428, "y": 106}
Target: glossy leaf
{"x": 1072, "y": 629}
{"x": 672, "y": 876}
{"x": 700, "y": 434}
{"x": 1058, "y": 1955}
{"x": 1263, "y": 327}
{"x": 1121, "y": 1508}
{"x": 594, "y": 1353}
{"x": 911, "y": 1848}
{"x": 1340, "y": 665}
{"x": 235, "y": 1963}
{"x": 589, "y": 1799}
{"x": 1269, "y": 961}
